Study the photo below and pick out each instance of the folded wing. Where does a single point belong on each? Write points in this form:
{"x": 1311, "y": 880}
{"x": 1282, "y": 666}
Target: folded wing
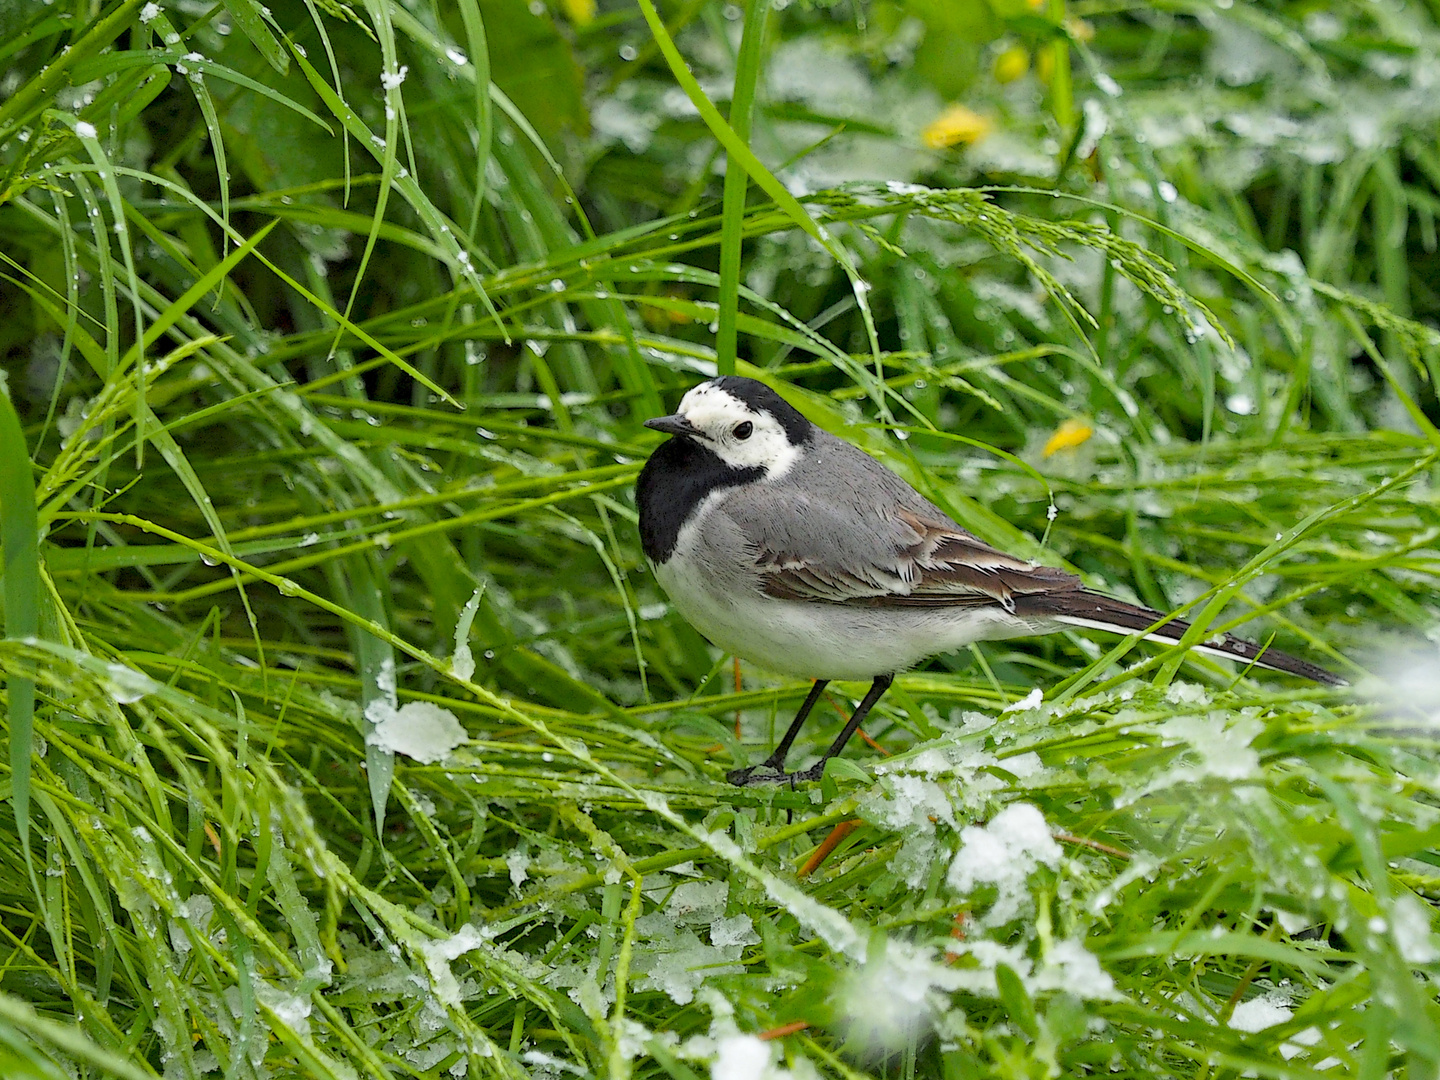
{"x": 910, "y": 559}
{"x": 840, "y": 551}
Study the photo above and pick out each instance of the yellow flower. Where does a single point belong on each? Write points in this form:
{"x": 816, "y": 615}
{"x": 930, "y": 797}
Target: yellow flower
{"x": 1011, "y": 64}
{"x": 957, "y": 124}
{"x": 1067, "y": 436}
{"x": 1079, "y": 29}
{"x": 579, "y": 12}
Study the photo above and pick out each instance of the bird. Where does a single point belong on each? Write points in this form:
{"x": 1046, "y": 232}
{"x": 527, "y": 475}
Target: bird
{"x": 788, "y": 547}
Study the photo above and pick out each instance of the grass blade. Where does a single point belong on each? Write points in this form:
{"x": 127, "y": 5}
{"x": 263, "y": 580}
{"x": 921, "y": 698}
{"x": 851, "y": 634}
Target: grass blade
{"x": 20, "y": 540}
{"x": 747, "y": 77}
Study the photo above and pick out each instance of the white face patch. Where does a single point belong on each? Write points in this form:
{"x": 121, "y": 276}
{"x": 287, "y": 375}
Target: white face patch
{"x": 738, "y": 435}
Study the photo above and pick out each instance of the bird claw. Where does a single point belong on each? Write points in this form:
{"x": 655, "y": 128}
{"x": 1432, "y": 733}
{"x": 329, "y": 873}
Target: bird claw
{"x": 746, "y": 776}
{"x": 752, "y": 775}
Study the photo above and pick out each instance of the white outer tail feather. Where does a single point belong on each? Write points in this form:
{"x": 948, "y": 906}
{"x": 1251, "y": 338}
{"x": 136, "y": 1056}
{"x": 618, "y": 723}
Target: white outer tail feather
{"x": 1170, "y": 635}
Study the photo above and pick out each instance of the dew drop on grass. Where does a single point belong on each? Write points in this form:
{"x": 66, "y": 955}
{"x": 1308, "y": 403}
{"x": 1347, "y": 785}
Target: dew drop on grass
{"x": 288, "y": 587}
{"x": 128, "y": 685}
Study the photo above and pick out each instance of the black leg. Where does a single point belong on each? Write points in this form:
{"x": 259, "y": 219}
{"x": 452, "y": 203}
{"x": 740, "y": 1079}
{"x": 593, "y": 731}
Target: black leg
{"x": 776, "y": 761}
{"x": 877, "y": 689}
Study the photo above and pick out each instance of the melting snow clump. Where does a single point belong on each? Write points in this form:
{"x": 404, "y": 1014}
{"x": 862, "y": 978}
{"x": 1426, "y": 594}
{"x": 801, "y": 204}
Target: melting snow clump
{"x": 1262, "y": 1012}
{"x": 737, "y": 930}
{"x": 890, "y": 999}
{"x": 1004, "y": 853}
{"x": 1410, "y": 924}
{"x": 740, "y": 1057}
{"x": 1072, "y": 967}
{"x": 462, "y": 662}
{"x": 1220, "y": 740}
{"x": 1030, "y": 701}
{"x": 438, "y": 954}
{"x": 418, "y": 729}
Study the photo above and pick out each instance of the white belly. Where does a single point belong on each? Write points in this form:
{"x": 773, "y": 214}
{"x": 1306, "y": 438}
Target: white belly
{"x": 813, "y": 640}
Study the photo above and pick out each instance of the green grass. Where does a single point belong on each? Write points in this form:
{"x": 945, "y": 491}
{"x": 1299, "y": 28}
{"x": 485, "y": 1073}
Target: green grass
{"x": 318, "y": 377}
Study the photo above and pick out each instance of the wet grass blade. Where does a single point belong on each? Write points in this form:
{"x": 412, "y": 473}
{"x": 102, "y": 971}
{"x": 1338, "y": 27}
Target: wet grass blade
{"x": 20, "y": 540}
{"x": 747, "y": 76}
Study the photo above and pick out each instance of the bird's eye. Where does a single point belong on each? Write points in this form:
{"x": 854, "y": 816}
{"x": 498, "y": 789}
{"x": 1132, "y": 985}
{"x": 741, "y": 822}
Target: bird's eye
{"x": 744, "y": 431}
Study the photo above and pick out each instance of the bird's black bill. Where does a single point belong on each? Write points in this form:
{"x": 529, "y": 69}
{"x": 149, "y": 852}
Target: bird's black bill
{"x": 672, "y": 425}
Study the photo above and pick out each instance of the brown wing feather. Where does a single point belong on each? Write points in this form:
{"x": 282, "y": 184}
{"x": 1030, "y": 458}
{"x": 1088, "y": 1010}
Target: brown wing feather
{"x": 932, "y": 563}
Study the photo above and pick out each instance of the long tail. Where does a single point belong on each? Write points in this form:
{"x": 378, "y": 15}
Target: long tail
{"x": 1100, "y": 612}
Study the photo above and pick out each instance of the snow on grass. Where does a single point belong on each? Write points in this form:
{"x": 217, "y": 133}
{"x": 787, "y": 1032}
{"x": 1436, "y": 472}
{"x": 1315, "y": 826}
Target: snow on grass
{"x": 669, "y": 954}
{"x": 462, "y": 661}
{"x": 438, "y": 956}
{"x": 1410, "y": 926}
{"x": 892, "y": 998}
{"x": 1261, "y": 1012}
{"x": 418, "y": 729}
{"x": 1004, "y": 853}
{"x": 741, "y": 1057}
{"x": 1032, "y": 700}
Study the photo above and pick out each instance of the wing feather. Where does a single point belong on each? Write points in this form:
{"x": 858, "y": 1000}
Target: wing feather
{"x": 909, "y": 559}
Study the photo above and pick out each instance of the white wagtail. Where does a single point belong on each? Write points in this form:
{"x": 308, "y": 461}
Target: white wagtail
{"x": 794, "y": 550}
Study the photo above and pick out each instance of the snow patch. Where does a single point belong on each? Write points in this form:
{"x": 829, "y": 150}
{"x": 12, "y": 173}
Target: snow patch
{"x": 419, "y": 729}
{"x": 1071, "y": 967}
{"x": 1262, "y": 1012}
{"x": 1410, "y": 926}
{"x": 741, "y": 1057}
{"x": 1030, "y": 701}
{"x": 736, "y": 930}
{"x": 438, "y": 955}
{"x": 1004, "y": 853}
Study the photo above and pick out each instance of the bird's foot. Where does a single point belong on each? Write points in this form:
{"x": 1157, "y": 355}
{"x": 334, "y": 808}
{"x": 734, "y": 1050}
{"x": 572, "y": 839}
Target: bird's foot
{"x": 763, "y": 773}
{"x": 769, "y": 773}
